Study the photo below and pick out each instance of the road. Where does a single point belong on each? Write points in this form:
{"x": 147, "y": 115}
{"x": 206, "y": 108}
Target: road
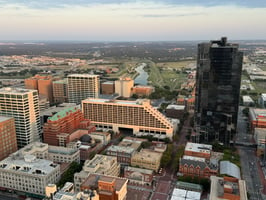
{"x": 249, "y": 162}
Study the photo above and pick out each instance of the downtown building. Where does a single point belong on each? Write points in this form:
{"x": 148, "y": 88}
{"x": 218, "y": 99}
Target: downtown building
{"x": 82, "y": 86}
{"x": 23, "y": 106}
{"x": 219, "y": 67}
{"x": 137, "y": 116}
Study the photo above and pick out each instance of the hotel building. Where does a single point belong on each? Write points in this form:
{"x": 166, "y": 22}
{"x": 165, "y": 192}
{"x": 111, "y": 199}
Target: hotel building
{"x": 138, "y": 116}
{"x": 82, "y": 86}
{"x": 23, "y": 105}
{"x": 8, "y": 142}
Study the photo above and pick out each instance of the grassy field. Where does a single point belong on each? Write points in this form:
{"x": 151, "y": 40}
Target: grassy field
{"x": 176, "y": 65}
{"x": 125, "y": 70}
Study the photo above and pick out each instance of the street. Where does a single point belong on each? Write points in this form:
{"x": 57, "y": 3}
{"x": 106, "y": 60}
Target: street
{"x": 249, "y": 161}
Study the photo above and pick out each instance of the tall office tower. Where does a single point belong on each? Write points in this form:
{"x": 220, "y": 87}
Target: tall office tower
{"x": 60, "y": 91}
{"x": 219, "y": 67}
{"x": 123, "y": 86}
{"x": 41, "y": 83}
{"x": 8, "y": 142}
{"x": 23, "y": 105}
{"x": 82, "y": 86}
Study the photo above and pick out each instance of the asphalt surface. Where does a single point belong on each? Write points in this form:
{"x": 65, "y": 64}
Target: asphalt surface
{"x": 249, "y": 161}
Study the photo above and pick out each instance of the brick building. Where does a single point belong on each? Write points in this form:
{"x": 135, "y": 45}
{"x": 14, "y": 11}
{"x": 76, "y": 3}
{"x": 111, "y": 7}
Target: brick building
{"x": 44, "y": 85}
{"x": 108, "y": 187}
{"x": 8, "y": 141}
{"x": 60, "y": 129}
{"x": 108, "y": 87}
{"x": 257, "y": 118}
{"x": 138, "y": 175}
{"x": 142, "y": 90}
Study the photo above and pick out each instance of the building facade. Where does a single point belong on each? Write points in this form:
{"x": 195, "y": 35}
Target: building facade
{"x": 257, "y": 118}
{"x": 262, "y": 100}
{"x": 147, "y": 159}
{"x": 23, "y": 105}
{"x": 218, "y": 78}
{"x": 8, "y": 141}
{"x": 142, "y": 90}
{"x": 108, "y": 87}
{"x": 123, "y": 87}
{"x": 60, "y": 128}
{"x": 139, "y": 116}
{"x": 60, "y": 91}
{"x": 228, "y": 188}
{"x": 82, "y": 86}
{"x": 26, "y": 173}
{"x": 100, "y": 164}
{"x": 138, "y": 175}
{"x": 108, "y": 187}
{"x": 41, "y": 83}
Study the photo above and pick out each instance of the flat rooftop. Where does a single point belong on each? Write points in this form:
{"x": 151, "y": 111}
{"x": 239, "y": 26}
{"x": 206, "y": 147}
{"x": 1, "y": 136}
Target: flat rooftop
{"x": 27, "y": 164}
{"x": 83, "y": 75}
{"x": 8, "y": 90}
{"x": 52, "y": 110}
{"x": 196, "y": 147}
{"x": 121, "y": 102}
{"x": 176, "y": 107}
{"x": 3, "y": 118}
{"x": 194, "y": 158}
{"x": 140, "y": 170}
{"x": 124, "y": 149}
{"x": 93, "y": 179}
{"x": 257, "y": 114}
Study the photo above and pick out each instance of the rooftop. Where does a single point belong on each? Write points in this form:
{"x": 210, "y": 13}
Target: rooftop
{"x": 176, "y": 107}
{"x": 111, "y": 101}
{"x": 83, "y": 75}
{"x": 194, "y": 158}
{"x": 63, "y": 113}
{"x": 257, "y": 114}
{"x": 196, "y": 147}
{"x": 50, "y": 111}
{"x": 62, "y": 81}
{"x": 27, "y": 164}
{"x": 93, "y": 179}
{"x": 108, "y": 83}
{"x": 3, "y": 118}
{"x": 124, "y": 149}
{"x": 247, "y": 99}
{"x": 8, "y": 90}
{"x": 140, "y": 170}
{"x": 263, "y": 96}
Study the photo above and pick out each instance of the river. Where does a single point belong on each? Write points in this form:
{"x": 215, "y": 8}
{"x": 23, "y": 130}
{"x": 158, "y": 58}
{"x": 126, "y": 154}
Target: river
{"x": 142, "y": 78}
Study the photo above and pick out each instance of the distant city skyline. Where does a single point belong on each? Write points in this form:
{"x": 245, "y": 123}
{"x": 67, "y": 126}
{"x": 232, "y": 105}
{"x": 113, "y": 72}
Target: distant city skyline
{"x": 128, "y": 20}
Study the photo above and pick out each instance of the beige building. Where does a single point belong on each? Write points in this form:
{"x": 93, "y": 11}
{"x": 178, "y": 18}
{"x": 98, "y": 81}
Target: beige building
{"x": 60, "y": 91}
{"x": 100, "y": 164}
{"x": 53, "y": 153}
{"x": 147, "y": 159}
{"x": 123, "y": 87}
{"x": 137, "y": 115}
{"x": 228, "y": 188}
{"x": 82, "y": 86}
{"x": 28, "y": 174}
{"x": 23, "y": 105}
{"x": 104, "y": 137}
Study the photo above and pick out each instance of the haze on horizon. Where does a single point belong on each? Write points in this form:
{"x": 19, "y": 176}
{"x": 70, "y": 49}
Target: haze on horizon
{"x": 128, "y": 20}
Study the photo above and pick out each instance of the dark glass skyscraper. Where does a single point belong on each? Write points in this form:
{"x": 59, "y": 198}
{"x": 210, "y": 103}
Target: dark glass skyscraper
{"x": 219, "y": 67}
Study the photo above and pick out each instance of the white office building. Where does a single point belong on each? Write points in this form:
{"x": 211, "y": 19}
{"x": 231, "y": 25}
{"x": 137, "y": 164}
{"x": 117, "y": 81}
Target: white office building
{"x": 23, "y": 105}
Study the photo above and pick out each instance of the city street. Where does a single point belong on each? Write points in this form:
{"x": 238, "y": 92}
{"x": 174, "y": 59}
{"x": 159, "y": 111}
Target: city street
{"x": 249, "y": 161}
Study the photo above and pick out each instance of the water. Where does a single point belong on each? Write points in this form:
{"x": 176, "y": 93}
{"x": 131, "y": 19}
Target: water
{"x": 142, "y": 78}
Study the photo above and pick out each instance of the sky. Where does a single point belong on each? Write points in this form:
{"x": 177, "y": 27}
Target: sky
{"x": 128, "y": 20}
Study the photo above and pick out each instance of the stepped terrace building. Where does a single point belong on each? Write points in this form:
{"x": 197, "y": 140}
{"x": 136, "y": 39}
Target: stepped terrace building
{"x": 137, "y": 116}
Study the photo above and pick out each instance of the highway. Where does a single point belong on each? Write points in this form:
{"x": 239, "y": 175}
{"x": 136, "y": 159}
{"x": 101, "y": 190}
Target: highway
{"x": 249, "y": 161}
